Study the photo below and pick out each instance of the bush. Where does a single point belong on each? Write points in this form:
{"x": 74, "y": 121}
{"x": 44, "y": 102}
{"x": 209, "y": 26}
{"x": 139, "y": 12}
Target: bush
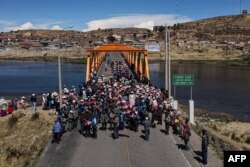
{"x": 35, "y": 116}
{"x": 233, "y": 135}
{"x": 247, "y": 139}
{"x": 12, "y": 121}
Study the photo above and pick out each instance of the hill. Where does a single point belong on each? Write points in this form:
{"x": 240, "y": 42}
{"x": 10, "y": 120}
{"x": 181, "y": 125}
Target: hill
{"x": 224, "y": 28}
{"x": 218, "y": 38}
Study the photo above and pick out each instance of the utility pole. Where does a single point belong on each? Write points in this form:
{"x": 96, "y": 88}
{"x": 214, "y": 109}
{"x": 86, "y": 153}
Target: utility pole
{"x": 167, "y": 62}
{"x": 59, "y": 67}
{"x": 169, "y": 66}
{"x": 166, "y": 58}
{"x": 240, "y": 6}
{"x": 59, "y": 71}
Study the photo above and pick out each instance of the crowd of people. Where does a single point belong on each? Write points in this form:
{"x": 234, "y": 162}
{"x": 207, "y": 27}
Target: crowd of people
{"x": 124, "y": 100}
{"x": 116, "y": 102}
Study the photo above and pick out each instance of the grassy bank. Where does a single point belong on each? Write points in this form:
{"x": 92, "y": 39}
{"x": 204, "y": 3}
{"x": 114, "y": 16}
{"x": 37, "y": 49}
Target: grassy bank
{"x": 23, "y": 136}
{"x": 225, "y": 133}
{"x": 47, "y": 59}
{"x": 230, "y": 63}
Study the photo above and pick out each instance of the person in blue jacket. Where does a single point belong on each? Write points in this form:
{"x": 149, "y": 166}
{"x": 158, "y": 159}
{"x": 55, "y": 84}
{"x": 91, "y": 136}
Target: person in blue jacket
{"x": 57, "y": 130}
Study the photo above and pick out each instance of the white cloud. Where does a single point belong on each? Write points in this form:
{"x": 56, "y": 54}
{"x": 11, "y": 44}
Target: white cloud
{"x": 29, "y": 25}
{"x": 56, "y": 27}
{"x": 6, "y": 23}
{"x": 138, "y": 21}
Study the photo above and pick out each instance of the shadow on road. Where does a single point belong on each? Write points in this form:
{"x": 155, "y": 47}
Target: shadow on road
{"x": 181, "y": 146}
{"x": 122, "y": 135}
{"x": 143, "y": 137}
{"x": 163, "y": 131}
{"x": 198, "y": 157}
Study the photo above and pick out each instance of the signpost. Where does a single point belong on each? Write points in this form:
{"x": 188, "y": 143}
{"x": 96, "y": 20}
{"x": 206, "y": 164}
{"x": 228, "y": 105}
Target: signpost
{"x": 186, "y": 80}
{"x": 153, "y": 47}
{"x": 183, "y": 79}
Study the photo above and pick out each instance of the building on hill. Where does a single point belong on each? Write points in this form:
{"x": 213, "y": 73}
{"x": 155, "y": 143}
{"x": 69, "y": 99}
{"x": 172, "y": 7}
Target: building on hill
{"x": 244, "y": 12}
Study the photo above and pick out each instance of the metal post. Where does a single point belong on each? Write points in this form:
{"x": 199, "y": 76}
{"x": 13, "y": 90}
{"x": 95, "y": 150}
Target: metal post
{"x": 240, "y": 6}
{"x": 59, "y": 69}
{"x": 174, "y": 91}
{"x": 166, "y": 58}
{"x": 169, "y": 66}
{"x": 191, "y": 92}
{"x": 59, "y": 73}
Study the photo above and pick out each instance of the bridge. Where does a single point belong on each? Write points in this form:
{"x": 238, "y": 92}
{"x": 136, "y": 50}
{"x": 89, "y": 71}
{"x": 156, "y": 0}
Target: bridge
{"x": 130, "y": 150}
{"x": 134, "y": 57}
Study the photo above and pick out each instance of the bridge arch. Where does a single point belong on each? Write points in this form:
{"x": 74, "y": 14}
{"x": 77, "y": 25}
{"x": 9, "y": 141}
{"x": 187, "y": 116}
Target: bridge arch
{"x": 133, "y": 56}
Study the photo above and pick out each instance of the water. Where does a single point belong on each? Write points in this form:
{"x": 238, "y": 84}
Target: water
{"x": 217, "y": 88}
{"x": 23, "y": 78}
{"x": 222, "y": 89}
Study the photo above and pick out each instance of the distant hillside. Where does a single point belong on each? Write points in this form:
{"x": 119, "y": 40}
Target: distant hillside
{"x": 223, "y": 28}
{"x": 218, "y": 38}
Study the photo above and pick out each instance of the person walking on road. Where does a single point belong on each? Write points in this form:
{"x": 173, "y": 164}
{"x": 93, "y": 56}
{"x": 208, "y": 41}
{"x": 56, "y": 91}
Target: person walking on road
{"x": 116, "y": 127}
{"x": 94, "y": 126}
{"x": 204, "y": 146}
{"x": 167, "y": 124}
{"x": 186, "y": 133}
{"x": 57, "y": 130}
{"x": 147, "y": 128}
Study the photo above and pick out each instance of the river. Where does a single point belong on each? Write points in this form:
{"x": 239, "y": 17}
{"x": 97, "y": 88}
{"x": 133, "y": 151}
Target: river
{"x": 217, "y": 88}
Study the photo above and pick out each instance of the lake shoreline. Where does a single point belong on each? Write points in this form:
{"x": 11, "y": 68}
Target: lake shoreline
{"x": 152, "y": 60}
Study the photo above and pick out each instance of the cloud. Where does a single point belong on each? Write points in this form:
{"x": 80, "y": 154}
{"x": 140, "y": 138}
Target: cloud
{"x": 6, "y": 23}
{"x": 56, "y": 27}
{"x": 138, "y": 21}
{"x": 30, "y": 25}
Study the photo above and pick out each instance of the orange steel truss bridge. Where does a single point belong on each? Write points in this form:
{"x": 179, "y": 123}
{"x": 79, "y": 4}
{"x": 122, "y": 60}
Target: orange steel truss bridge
{"x": 132, "y": 55}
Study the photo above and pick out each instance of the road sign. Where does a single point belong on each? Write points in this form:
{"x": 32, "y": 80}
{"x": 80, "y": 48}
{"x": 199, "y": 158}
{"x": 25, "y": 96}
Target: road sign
{"x": 183, "y": 80}
{"x": 153, "y": 47}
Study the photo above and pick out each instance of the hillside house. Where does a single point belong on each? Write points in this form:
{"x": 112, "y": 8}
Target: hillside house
{"x": 231, "y": 43}
{"x": 244, "y": 12}
{"x": 180, "y": 43}
{"x": 117, "y": 37}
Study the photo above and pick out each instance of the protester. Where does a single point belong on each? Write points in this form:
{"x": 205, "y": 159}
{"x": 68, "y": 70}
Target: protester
{"x": 186, "y": 133}
{"x": 146, "y": 128}
{"x": 33, "y": 102}
{"x": 57, "y": 130}
{"x": 204, "y": 146}
{"x": 167, "y": 124}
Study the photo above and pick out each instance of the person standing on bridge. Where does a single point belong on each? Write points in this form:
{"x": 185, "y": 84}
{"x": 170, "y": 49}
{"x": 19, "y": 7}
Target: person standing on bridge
{"x": 116, "y": 127}
{"x": 146, "y": 128}
{"x": 204, "y": 146}
{"x": 167, "y": 123}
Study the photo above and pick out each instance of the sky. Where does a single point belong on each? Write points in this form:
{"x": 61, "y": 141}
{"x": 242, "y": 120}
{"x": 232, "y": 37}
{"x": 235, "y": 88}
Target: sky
{"x": 85, "y": 15}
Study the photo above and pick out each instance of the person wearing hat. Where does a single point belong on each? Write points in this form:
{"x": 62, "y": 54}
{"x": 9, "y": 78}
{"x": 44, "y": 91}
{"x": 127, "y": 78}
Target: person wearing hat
{"x": 146, "y": 128}
{"x": 70, "y": 120}
{"x": 204, "y": 146}
{"x": 23, "y": 103}
{"x": 33, "y": 102}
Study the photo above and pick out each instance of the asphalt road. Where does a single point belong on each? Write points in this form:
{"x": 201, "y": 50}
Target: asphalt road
{"x": 130, "y": 150}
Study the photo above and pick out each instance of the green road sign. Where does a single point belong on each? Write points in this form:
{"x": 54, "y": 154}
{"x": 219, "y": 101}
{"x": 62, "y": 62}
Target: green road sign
{"x": 183, "y": 79}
